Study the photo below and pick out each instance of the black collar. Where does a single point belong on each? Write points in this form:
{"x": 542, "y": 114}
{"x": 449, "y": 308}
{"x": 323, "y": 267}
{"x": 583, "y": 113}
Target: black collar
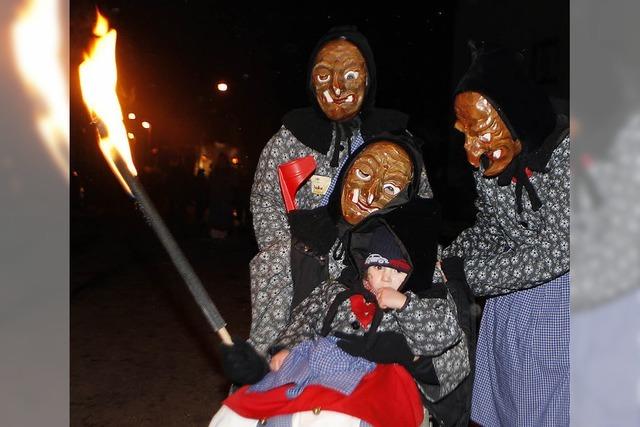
{"x": 535, "y": 161}
{"x": 315, "y": 131}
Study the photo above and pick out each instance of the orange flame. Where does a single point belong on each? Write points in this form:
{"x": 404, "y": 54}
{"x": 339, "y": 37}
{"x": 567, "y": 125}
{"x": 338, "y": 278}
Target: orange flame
{"x": 98, "y": 79}
{"x": 36, "y": 36}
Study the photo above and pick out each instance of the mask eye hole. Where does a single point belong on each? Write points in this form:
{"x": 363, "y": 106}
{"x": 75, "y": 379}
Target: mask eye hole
{"x": 323, "y": 78}
{"x": 391, "y": 189}
{"x": 351, "y": 75}
{"x": 363, "y": 175}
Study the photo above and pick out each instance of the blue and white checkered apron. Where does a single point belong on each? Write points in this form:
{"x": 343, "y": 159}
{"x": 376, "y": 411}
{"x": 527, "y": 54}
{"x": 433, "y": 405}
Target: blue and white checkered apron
{"x": 356, "y": 142}
{"x": 318, "y": 361}
{"x": 522, "y": 359}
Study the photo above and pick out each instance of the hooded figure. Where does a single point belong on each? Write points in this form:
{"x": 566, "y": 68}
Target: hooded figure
{"x": 323, "y": 133}
{"x": 329, "y": 241}
{"x": 443, "y": 380}
{"x": 342, "y": 84}
{"x": 360, "y": 311}
{"x": 535, "y": 129}
{"x": 317, "y": 235}
{"x": 517, "y": 252}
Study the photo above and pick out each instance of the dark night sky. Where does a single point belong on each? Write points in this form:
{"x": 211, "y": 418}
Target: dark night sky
{"x": 171, "y": 53}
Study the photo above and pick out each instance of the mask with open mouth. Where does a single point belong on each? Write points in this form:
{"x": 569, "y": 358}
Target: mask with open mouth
{"x": 488, "y": 142}
{"x": 377, "y": 175}
{"x": 339, "y": 79}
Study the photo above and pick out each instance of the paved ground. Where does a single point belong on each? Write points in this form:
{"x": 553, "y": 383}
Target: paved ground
{"x": 141, "y": 352}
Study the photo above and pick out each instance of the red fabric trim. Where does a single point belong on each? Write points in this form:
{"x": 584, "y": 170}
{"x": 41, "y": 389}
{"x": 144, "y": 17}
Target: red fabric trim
{"x": 387, "y": 396}
{"x": 363, "y": 310}
{"x": 528, "y": 171}
{"x": 400, "y": 265}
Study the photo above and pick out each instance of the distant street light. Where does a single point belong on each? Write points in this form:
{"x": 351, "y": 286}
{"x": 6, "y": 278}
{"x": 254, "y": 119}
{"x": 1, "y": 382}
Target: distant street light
{"x": 222, "y": 87}
{"x": 147, "y": 126}
{"x": 131, "y": 135}
{"x": 132, "y": 116}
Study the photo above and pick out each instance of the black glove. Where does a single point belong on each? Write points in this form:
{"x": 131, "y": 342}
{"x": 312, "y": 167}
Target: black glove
{"x": 242, "y": 364}
{"x": 453, "y": 268}
{"x": 384, "y": 347}
{"x": 424, "y": 371}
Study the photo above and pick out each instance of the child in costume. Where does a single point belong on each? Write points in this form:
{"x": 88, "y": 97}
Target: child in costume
{"x": 365, "y": 335}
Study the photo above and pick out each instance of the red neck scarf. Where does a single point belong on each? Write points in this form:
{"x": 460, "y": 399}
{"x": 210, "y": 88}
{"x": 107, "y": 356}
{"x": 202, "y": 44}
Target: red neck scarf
{"x": 363, "y": 310}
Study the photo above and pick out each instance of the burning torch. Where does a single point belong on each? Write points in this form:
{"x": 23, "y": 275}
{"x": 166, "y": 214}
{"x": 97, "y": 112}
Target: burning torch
{"x": 98, "y": 78}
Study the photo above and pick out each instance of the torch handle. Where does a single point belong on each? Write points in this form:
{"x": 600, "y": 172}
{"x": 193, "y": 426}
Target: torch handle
{"x": 224, "y": 336}
{"x": 193, "y": 282}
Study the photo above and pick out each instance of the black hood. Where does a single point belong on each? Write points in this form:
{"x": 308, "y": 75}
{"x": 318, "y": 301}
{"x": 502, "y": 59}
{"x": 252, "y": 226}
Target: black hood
{"x": 415, "y": 225}
{"x": 351, "y": 34}
{"x": 316, "y": 230}
{"x": 320, "y": 227}
{"x": 412, "y": 146}
{"x": 499, "y": 74}
{"x": 312, "y": 127}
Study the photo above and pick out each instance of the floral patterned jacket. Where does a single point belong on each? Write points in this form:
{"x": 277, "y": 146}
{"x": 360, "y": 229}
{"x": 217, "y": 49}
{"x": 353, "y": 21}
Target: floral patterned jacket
{"x": 429, "y": 325}
{"x": 270, "y": 269}
{"x": 504, "y": 252}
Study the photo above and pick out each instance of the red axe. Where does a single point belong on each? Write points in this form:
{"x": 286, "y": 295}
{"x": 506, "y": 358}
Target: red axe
{"x": 292, "y": 175}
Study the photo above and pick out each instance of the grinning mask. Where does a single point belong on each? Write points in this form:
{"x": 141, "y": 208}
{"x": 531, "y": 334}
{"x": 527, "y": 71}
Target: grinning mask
{"x": 339, "y": 79}
{"x": 487, "y": 138}
{"x": 379, "y": 172}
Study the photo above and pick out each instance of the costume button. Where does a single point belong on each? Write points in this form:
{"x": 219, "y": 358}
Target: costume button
{"x": 317, "y": 410}
{"x": 355, "y": 325}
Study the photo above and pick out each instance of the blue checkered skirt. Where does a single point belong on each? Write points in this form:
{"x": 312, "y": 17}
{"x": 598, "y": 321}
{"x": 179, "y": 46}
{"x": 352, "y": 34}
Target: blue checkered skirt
{"x": 522, "y": 358}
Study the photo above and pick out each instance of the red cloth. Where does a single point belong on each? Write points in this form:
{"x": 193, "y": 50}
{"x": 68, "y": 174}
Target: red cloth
{"x": 386, "y": 396}
{"x": 363, "y": 310}
{"x": 528, "y": 171}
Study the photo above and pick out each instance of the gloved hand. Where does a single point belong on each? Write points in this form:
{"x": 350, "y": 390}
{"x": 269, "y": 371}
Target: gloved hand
{"x": 385, "y": 347}
{"x": 453, "y": 268}
{"x": 424, "y": 371}
{"x": 241, "y": 363}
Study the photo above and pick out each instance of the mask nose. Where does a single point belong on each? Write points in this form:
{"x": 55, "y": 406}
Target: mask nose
{"x": 372, "y": 192}
{"x": 336, "y": 84}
